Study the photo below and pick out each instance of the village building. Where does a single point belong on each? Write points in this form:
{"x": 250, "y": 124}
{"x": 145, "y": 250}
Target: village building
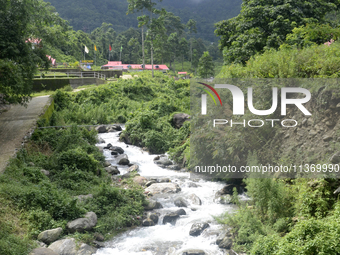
{"x": 117, "y": 65}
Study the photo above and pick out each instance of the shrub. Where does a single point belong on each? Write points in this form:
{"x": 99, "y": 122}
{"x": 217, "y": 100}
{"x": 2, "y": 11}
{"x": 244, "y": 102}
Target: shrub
{"x": 311, "y": 62}
{"x": 270, "y": 197}
{"x": 77, "y": 158}
{"x": 46, "y": 197}
{"x": 313, "y": 198}
{"x": 265, "y": 245}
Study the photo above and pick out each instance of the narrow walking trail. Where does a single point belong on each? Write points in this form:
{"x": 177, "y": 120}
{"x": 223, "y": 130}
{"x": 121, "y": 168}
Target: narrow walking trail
{"x": 15, "y": 124}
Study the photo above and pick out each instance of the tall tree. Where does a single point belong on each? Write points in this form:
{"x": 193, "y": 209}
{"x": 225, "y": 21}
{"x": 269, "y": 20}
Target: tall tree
{"x": 156, "y": 31}
{"x": 142, "y": 5}
{"x": 173, "y": 46}
{"x": 265, "y": 24}
{"x": 183, "y": 49}
{"x": 205, "y": 65}
{"x": 173, "y": 24}
{"x": 191, "y": 26}
{"x": 22, "y": 25}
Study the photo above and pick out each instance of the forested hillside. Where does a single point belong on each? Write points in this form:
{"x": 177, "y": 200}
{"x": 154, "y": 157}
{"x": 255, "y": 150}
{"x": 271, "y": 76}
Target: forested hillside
{"x": 87, "y": 15}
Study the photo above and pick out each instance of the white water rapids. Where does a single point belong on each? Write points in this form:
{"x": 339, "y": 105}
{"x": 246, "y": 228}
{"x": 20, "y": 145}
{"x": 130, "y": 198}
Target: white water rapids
{"x": 167, "y": 239}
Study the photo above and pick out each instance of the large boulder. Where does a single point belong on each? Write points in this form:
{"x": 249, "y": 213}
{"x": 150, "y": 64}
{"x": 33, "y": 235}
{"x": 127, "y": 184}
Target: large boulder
{"x": 101, "y": 129}
{"x": 195, "y": 200}
{"x": 108, "y": 146}
{"x": 107, "y": 163}
{"x": 151, "y": 219}
{"x": 160, "y": 188}
{"x": 112, "y": 170}
{"x": 181, "y": 212}
{"x": 163, "y": 161}
{"x": 180, "y": 202}
{"x": 140, "y": 180}
{"x": 70, "y": 247}
{"x": 154, "y": 217}
{"x": 43, "y": 251}
{"x": 133, "y": 168}
{"x": 117, "y": 149}
{"x": 115, "y": 128}
{"x": 124, "y": 137}
{"x": 228, "y": 190}
{"x": 152, "y": 204}
{"x": 179, "y": 119}
{"x": 197, "y": 228}
{"x": 99, "y": 237}
{"x": 148, "y": 222}
{"x": 193, "y": 252}
{"x": 123, "y": 160}
{"x": 49, "y": 236}
{"x": 174, "y": 167}
{"x": 86, "y": 249}
{"x": 64, "y": 247}
{"x": 224, "y": 240}
{"x": 170, "y": 218}
{"x": 82, "y": 224}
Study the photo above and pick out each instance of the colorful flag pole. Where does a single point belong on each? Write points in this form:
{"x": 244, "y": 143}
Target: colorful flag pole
{"x": 86, "y": 50}
{"x": 95, "y": 50}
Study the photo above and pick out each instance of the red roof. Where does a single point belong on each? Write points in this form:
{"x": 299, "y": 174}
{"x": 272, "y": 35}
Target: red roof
{"x": 182, "y": 72}
{"x": 119, "y": 65}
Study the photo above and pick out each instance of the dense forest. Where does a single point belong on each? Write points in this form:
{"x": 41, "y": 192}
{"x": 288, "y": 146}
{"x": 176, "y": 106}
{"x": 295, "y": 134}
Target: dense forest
{"x": 88, "y": 15}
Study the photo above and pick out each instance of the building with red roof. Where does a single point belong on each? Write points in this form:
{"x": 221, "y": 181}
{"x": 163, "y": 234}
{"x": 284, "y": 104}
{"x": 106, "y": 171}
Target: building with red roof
{"x": 117, "y": 65}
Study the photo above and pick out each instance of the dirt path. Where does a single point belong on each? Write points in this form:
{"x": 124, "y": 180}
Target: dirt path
{"x": 15, "y": 124}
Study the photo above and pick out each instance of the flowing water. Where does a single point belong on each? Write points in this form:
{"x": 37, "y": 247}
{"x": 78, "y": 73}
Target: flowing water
{"x": 167, "y": 239}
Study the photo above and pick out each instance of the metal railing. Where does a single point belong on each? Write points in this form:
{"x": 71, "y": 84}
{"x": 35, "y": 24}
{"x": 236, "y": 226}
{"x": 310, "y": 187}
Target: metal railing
{"x": 81, "y": 75}
{"x": 88, "y": 74}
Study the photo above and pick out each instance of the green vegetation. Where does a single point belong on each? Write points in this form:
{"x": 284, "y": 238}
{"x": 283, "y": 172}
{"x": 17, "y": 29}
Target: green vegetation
{"x": 146, "y": 105}
{"x": 287, "y": 217}
{"x": 263, "y": 25}
{"x": 34, "y": 202}
{"x": 284, "y": 216}
{"x": 87, "y": 15}
{"x": 44, "y": 202}
{"x": 18, "y": 55}
{"x": 36, "y": 31}
{"x": 205, "y": 66}
{"x": 316, "y": 61}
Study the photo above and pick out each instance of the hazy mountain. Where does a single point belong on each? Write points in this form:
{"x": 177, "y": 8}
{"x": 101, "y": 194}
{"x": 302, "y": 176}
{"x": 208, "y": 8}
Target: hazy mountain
{"x": 88, "y": 14}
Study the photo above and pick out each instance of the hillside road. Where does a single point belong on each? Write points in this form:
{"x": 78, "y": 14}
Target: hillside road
{"x": 15, "y": 124}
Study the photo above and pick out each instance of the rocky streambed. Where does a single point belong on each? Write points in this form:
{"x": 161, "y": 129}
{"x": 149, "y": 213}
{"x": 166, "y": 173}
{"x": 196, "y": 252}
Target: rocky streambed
{"x": 179, "y": 217}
